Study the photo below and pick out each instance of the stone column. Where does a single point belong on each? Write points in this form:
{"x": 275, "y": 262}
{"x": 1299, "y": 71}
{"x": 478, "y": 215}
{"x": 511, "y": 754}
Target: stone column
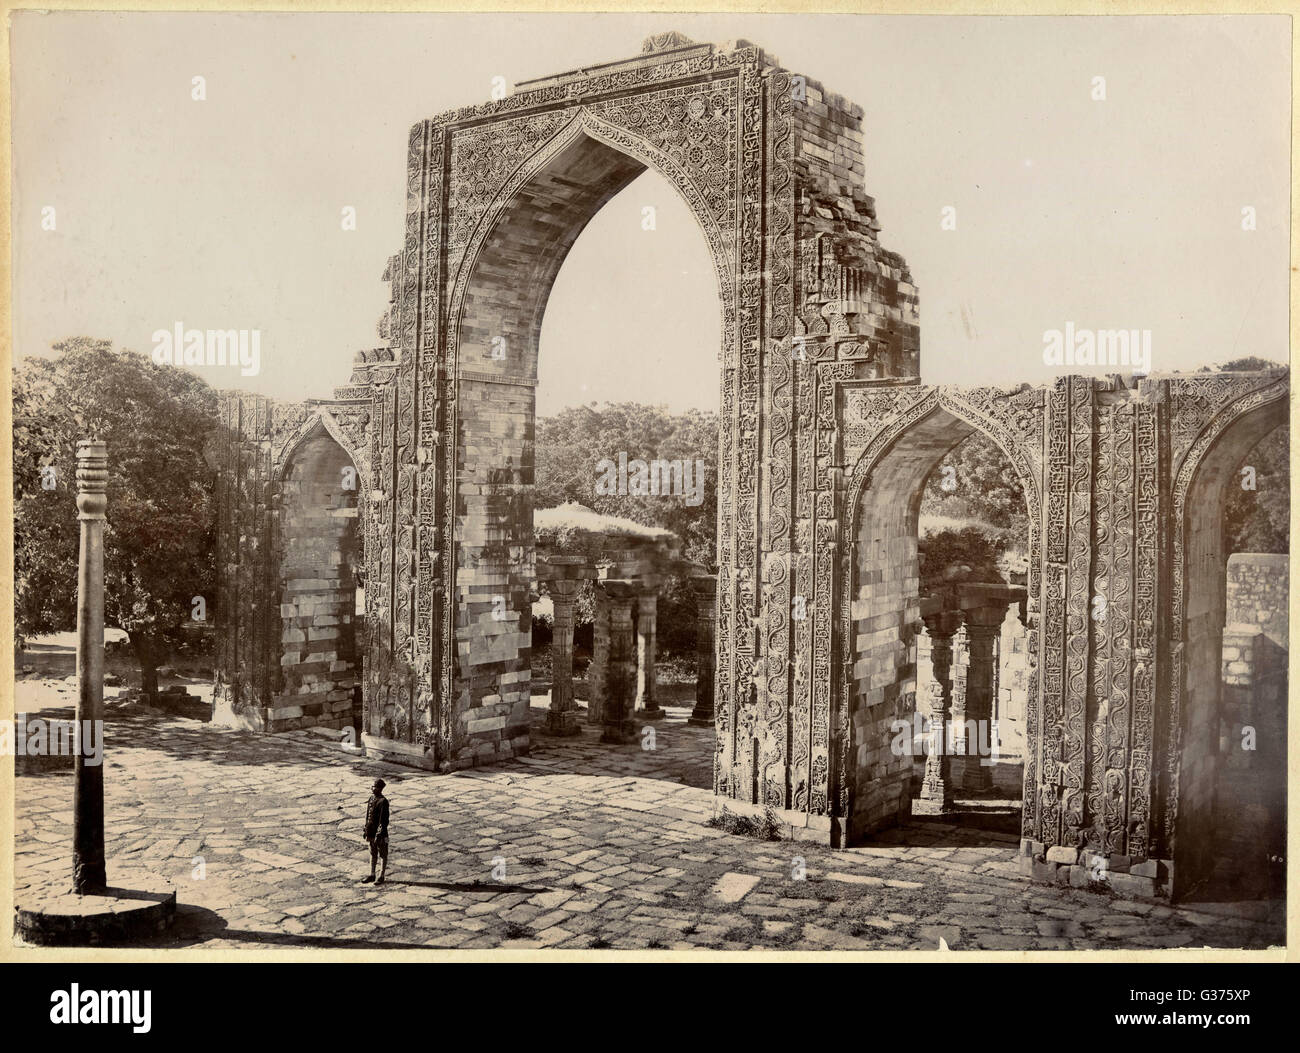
{"x": 704, "y": 587}
{"x": 982, "y": 627}
{"x": 956, "y": 744}
{"x": 88, "y": 875}
{"x": 647, "y": 705}
{"x": 620, "y": 668}
{"x": 599, "y": 659}
{"x": 936, "y": 789}
{"x": 562, "y": 717}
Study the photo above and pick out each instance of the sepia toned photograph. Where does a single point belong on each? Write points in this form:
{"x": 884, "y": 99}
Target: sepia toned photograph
{"x": 575, "y": 485}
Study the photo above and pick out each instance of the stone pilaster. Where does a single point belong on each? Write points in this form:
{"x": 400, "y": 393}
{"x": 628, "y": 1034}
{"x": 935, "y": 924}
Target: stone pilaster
{"x": 599, "y": 659}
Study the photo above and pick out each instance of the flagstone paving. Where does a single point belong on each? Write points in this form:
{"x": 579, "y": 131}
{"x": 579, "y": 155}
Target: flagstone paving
{"x": 579, "y": 845}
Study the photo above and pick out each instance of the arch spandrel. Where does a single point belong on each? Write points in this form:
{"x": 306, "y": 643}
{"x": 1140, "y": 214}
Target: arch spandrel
{"x": 1203, "y": 406}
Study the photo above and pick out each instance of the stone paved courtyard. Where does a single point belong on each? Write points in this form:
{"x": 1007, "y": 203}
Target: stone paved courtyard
{"x": 602, "y": 847}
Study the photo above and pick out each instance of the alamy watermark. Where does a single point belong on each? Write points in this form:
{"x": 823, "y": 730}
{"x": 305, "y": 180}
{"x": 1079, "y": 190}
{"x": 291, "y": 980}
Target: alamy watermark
{"x": 921, "y": 736}
{"x": 1130, "y": 348}
{"x": 657, "y": 478}
{"x": 37, "y": 737}
{"x": 179, "y": 346}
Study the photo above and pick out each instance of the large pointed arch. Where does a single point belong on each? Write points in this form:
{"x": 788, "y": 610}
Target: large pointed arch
{"x": 920, "y": 427}
{"x": 499, "y": 292}
{"x": 1191, "y": 733}
{"x": 585, "y": 124}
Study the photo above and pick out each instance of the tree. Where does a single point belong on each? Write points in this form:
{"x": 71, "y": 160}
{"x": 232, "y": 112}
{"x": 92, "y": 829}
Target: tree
{"x": 158, "y": 541}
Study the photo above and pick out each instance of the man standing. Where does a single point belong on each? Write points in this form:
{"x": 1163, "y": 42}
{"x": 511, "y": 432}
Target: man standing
{"x": 376, "y": 831}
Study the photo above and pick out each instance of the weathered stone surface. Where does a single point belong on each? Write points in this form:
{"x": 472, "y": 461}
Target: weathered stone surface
{"x": 283, "y": 856}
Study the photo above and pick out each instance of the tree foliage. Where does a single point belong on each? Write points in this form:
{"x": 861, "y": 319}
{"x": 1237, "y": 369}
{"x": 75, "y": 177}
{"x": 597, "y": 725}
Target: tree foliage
{"x": 985, "y": 487}
{"x": 158, "y": 539}
{"x": 570, "y": 445}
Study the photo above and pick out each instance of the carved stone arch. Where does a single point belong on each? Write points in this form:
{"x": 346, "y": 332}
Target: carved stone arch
{"x": 912, "y": 407}
{"x": 321, "y": 420}
{"x": 564, "y": 168}
{"x": 1013, "y": 446}
{"x": 1197, "y": 611}
{"x": 585, "y": 123}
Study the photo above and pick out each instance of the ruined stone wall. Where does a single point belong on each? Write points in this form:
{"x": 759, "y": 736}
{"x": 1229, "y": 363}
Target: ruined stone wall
{"x": 1250, "y": 791}
{"x": 826, "y": 439}
{"x": 1258, "y": 593}
{"x": 246, "y": 623}
{"x": 1250, "y": 800}
{"x": 288, "y": 504}
{"x": 850, "y": 284}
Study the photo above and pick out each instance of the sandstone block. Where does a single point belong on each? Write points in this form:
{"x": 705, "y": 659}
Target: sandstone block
{"x": 1132, "y": 885}
{"x": 1045, "y": 871}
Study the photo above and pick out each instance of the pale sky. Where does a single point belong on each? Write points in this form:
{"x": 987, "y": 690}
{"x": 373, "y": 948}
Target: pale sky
{"x": 1122, "y": 213}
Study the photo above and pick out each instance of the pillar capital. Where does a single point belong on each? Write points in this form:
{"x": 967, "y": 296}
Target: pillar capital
{"x": 563, "y": 589}
{"x": 92, "y": 478}
{"x": 619, "y": 591}
{"x": 943, "y": 624}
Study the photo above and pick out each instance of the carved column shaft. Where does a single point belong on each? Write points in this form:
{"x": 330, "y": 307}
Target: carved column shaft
{"x": 620, "y": 657}
{"x": 982, "y": 626}
{"x": 957, "y": 709}
{"x": 647, "y": 705}
{"x": 562, "y": 718}
{"x": 704, "y": 589}
{"x": 936, "y": 789}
